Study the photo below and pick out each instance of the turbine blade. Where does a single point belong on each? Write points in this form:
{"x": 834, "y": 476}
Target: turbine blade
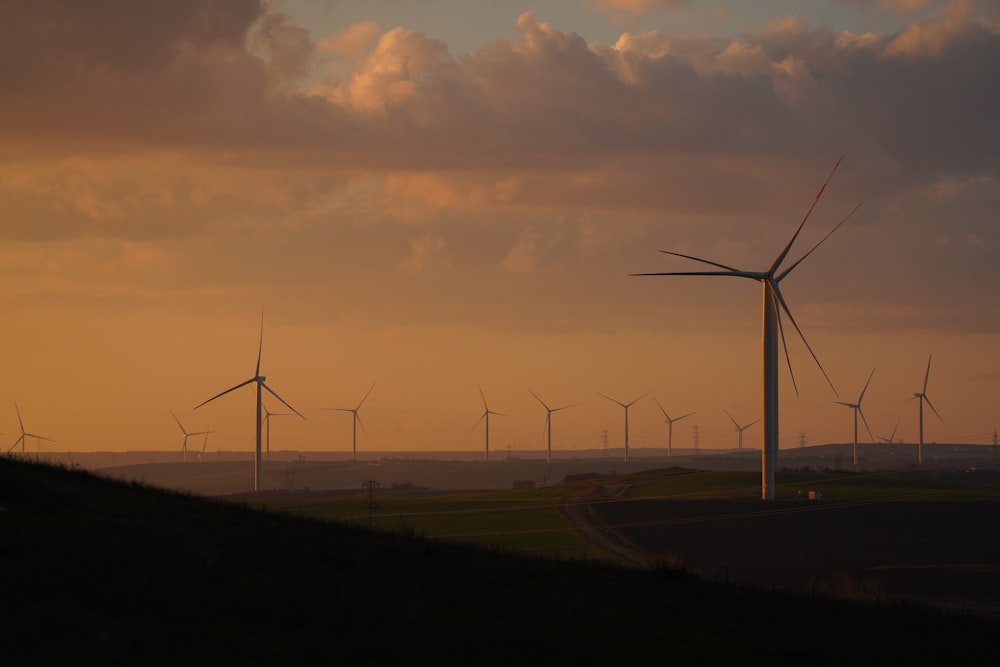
{"x": 16, "y": 443}
{"x": 867, "y": 428}
{"x": 241, "y": 384}
{"x": 781, "y": 256}
{"x": 731, "y": 418}
{"x": 756, "y": 275}
{"x": 260, "y": 345}
{"x": 751, "y": 423}
{"x": 611, "y": 399}
{"x": 784, "y": 273}
{"x": 637, "y": 400}
{"x": 931, "y": 405}
{"x": 271, "y": 391}
{"x": 791, "y": 318}
{"x": 784, "y": 345}
{"x": 178, "y": 423}
{"x": 361, "y": 423}
{"x": 19, "y": 421}
{"x": 366, "y": 395}
{"x": 677, "y": 419}
{"x": 699, "y": 259}
{"x": 665, "y": 415}
{"x": 563, "y": 407}
{"x": 481, "y": 418}
{"x": 866, "y": 387}
{"x": 539, "y": 400}
{"x": 483, "y": 396}
{"x": 927, "y": 375}
{"x": 39, "y": 437}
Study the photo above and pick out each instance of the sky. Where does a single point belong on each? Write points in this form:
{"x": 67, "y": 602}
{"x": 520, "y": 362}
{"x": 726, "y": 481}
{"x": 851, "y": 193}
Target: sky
{"x": 436, "y": 197}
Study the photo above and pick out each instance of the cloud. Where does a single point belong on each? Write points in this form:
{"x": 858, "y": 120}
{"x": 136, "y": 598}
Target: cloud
{"x": 639, "y": 6}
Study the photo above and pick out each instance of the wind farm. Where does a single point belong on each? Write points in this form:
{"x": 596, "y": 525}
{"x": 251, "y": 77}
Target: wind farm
{"x": 463, "y": 206}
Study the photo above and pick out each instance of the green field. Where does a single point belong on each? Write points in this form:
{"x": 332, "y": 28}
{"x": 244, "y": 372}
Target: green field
{"x": 530, "y": 521}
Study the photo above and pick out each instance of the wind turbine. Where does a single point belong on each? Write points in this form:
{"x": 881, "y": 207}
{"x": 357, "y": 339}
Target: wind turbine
{"x": 858, "y": 411}
{"x": 204, "y": 445}
{"x": 486, "y": 415}
{"x": 267, "y": 425}
{"x": 739, "y": 428}
{"x": 670, "y": 425}
{"x": 773, "y": 303}
{"x": 922, "y": 396}
{"x": 356, "y": 420}
{"x": 259, "y": 380}
{"x": 892, "y": 436}
{"x": 548, "y": 421}
{"x": 25, "y": 434}
{"x": 626, "y": 406}
{"x": 184, "y": 445}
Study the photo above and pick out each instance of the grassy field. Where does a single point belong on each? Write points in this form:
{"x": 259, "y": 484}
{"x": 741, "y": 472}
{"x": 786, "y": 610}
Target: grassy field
{"x": 91, "y": 568}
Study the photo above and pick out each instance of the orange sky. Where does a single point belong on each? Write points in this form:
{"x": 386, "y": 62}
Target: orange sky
{"x": 429, "y": 219}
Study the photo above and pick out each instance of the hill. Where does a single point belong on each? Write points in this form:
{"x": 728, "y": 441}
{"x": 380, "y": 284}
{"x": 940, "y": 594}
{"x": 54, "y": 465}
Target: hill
{"x": 124, "y": 574}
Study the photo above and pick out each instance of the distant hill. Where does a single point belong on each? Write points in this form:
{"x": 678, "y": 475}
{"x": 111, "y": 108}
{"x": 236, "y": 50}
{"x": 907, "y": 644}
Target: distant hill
{"x": 118, "y": 573}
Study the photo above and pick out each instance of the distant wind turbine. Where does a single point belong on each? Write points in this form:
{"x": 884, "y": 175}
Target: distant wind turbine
{"x": 858, "y": 411}
{"x": 892, "y": 436}
{"x": 24, "y": 434}
{"x": 204, "y": 445}
{"x": 548, "y": 421}
{"x": 670, "y": 425}
{"x": 259, "y": 380}
{"x": 184, "y": 445}
{"x": 772, "y": 329}
{"x": 355, "y": 420}
{"x": 922, "y": 396}
{"x": 486, "y": 416}
{"x": 626, "y": 406}
{"x": 267, "y": 429}
{"x": 740, "y": 429}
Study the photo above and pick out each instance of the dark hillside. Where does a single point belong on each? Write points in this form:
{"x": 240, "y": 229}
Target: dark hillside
{"x": 99, "y": 571}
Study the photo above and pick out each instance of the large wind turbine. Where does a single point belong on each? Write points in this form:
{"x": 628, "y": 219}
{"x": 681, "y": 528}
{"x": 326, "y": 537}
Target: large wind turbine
{"x": 772, "y": 328}
{"x": 355, "y": 420}
{"x": 24, "y": 434}
{"x": 858, "y": 411}
{"x": 486, "y": 415}
{"x": 267, "y": 428}
{"x": 922, "y": 397}
{"x": 740, "y": 429}
{"x": 184, "y": 445}
{"x": 548, "y": 421}
{"x": 670, "y": 425}
{"x": 259, "y": 380}
{"x": 626, "y": 406}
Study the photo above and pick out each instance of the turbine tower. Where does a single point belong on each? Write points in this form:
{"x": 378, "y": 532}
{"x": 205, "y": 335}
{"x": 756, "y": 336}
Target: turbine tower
{"x": 486, "y": 415}
{"x": 858, "y": 411}
{"x": 204, "y": 445}
{"x": 626, "y": 406}
{"x": 184, "y": 445}
{"x": 260, "y": 381}
{"x": 740, "y": 429}
{"x": 922, "y": 396}
{"x": 670, "y": 425}
{"x": 24, "y": 434}
{"x": 355, "y": 421}
{"x": 548, "y": 422}
{"x": 267, "y": 428}
{"x": 773, "y": 302}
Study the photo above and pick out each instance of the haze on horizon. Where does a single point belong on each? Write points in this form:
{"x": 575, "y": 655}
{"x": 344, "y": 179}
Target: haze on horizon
{"x": 457, "y": 197}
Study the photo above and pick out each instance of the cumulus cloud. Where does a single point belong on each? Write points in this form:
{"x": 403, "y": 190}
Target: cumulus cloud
{"x": 639, "y": 6}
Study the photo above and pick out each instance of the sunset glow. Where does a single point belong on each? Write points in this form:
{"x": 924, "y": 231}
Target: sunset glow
{"x": 435, "y": 200}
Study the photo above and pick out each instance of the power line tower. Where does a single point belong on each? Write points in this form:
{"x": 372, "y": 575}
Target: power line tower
{"x": 604, "y": 435}
{"x": 802, "y": 440}
{"x": 370, "y": 486}
{"x": 697, "y": 438}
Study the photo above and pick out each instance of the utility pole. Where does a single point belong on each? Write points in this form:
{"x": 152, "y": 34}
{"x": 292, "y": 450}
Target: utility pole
{"x": 370, "y": 486}
{"x": 697, "y": 436}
